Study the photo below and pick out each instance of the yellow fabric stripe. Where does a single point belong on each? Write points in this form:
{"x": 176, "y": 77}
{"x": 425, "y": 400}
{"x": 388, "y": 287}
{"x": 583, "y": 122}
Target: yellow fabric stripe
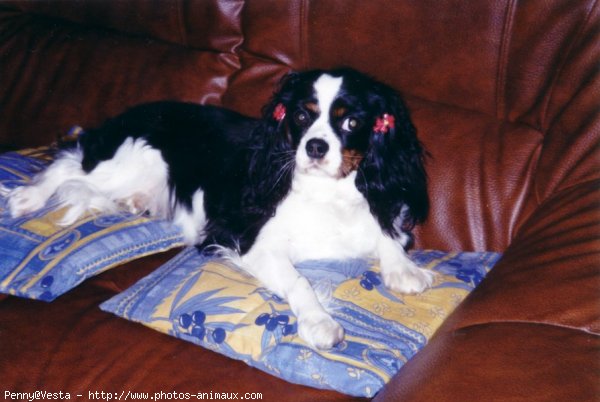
{"x": 35, "y": 252}
{"x": 23, "y": 176}
{"x": 73, "y": 246}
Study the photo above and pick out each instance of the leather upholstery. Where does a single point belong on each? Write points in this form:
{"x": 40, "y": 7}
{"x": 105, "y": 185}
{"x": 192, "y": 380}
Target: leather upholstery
{"x": 505, "y": 96}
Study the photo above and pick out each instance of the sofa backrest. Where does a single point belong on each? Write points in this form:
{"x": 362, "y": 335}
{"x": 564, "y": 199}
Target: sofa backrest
{"x": 68, "y": 63}
{"x": 504, "y": 94}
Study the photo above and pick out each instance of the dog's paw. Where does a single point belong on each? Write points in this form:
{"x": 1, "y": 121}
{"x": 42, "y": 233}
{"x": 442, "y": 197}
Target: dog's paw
{"x": 136, "y": 204}
{"x": 320, "y": 331}
{"x": 408, "y": 279}
{"x": 24, "y": 200}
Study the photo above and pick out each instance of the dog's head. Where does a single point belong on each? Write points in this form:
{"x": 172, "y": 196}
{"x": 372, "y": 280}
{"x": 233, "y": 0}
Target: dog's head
{"x": 341, "y": 121}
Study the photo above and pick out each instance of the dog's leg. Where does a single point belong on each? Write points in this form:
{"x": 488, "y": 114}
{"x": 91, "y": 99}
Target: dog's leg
{"x": 33, "y": 196}
{"x": 399, "y": 273}
{"x": 277, "y": 273}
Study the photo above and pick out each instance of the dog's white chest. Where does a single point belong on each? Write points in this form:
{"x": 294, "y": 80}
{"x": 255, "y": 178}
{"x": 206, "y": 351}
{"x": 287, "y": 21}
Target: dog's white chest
{"x": 323, "y": 218}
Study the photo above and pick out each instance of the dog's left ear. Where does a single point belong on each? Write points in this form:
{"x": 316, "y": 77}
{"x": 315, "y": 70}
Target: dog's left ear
{"x": 392, "y": 174}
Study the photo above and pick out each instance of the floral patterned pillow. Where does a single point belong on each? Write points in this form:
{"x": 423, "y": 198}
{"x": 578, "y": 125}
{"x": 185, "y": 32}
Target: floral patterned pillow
{"x": 216, "y": 306}
{"x": 41, "y": 260}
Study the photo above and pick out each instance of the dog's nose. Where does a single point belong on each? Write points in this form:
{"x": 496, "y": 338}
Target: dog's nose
{"x": 316, "y": 148}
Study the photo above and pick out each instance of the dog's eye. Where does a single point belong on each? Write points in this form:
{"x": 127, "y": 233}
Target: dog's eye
{"x": 350, "y": 124}
{"x": 301, "y": 118}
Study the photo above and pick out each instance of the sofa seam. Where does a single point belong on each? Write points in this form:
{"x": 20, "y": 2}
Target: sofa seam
{"x": 503, "y": 56}
{"x": 455, "y": 329}
{"x": 566, "y": 55}
{"x": 237, "y": 53}
{"x": 544, "y": 124}
{"x": 303, "y": 33}
{"x": 183, "y": 37}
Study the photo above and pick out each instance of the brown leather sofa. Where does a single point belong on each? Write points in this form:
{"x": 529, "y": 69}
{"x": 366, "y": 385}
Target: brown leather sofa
{"x": 505, "y": 96}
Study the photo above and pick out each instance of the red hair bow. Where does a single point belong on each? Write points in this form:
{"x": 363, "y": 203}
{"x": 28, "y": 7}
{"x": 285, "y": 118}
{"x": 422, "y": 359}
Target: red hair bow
{"x": 279, "y": 112}
{"x": 384, "y": 123}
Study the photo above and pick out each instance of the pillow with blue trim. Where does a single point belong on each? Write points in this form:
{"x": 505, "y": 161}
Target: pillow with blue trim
{"x": 208, "y": 303}
{"x": 41, "y": 260}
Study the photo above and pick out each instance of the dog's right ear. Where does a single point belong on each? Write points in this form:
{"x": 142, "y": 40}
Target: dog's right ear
{"x": 272, "y": 164}
{"x": 274, "y": 113}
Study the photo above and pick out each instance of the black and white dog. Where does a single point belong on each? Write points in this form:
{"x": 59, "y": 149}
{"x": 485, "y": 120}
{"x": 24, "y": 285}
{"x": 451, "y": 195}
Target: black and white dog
{"x": 332, "y": 170}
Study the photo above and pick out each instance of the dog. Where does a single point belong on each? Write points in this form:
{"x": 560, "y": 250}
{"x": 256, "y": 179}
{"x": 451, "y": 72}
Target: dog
{"x": 332, "y": 170}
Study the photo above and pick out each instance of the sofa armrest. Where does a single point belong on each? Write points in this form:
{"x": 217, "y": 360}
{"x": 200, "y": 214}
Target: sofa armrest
{"x": 507, "y": 361}
{"x": 532, "y": 328}
{"x": 551, "y": 271}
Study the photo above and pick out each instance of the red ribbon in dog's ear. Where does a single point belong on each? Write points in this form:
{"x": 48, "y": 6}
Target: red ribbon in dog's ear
{"x": 279, "y": 112}
{"x": 384, "y": 123}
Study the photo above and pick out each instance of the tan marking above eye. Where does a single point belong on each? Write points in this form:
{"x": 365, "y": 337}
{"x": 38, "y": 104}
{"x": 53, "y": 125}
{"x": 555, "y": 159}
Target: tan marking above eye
{"x": 340, "y": 111}
{"x": 313, "y": 107}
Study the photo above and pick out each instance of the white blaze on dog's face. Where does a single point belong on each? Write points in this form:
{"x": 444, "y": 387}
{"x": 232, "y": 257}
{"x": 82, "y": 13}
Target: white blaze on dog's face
{"x": 320, "y": 150}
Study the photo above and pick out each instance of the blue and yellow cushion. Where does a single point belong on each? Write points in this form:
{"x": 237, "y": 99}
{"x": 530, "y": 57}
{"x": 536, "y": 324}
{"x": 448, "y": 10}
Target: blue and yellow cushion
{"x": 208, "y": 303}
{"x": 40, "y": 260}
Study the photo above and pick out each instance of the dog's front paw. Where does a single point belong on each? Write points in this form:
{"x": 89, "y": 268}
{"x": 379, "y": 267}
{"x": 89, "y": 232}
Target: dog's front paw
{"x": 408, "y": 279}
{"x": 320, "y": 331}
{"x": 23, "y": 200}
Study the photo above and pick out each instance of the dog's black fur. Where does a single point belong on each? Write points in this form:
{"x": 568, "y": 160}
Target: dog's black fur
{"x": 245, "y": 166}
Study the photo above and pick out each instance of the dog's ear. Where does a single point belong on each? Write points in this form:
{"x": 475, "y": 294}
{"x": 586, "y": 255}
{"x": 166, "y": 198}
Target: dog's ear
{"x": 392, "y": 175}
{"x": 275, "y": 112}
{"x": 271, "y": 164}
{"x": 282, "y": 96}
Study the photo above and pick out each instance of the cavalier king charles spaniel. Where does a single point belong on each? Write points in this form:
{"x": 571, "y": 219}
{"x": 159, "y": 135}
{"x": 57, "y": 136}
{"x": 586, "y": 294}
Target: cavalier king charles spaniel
{"x": 332, "y": 170}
